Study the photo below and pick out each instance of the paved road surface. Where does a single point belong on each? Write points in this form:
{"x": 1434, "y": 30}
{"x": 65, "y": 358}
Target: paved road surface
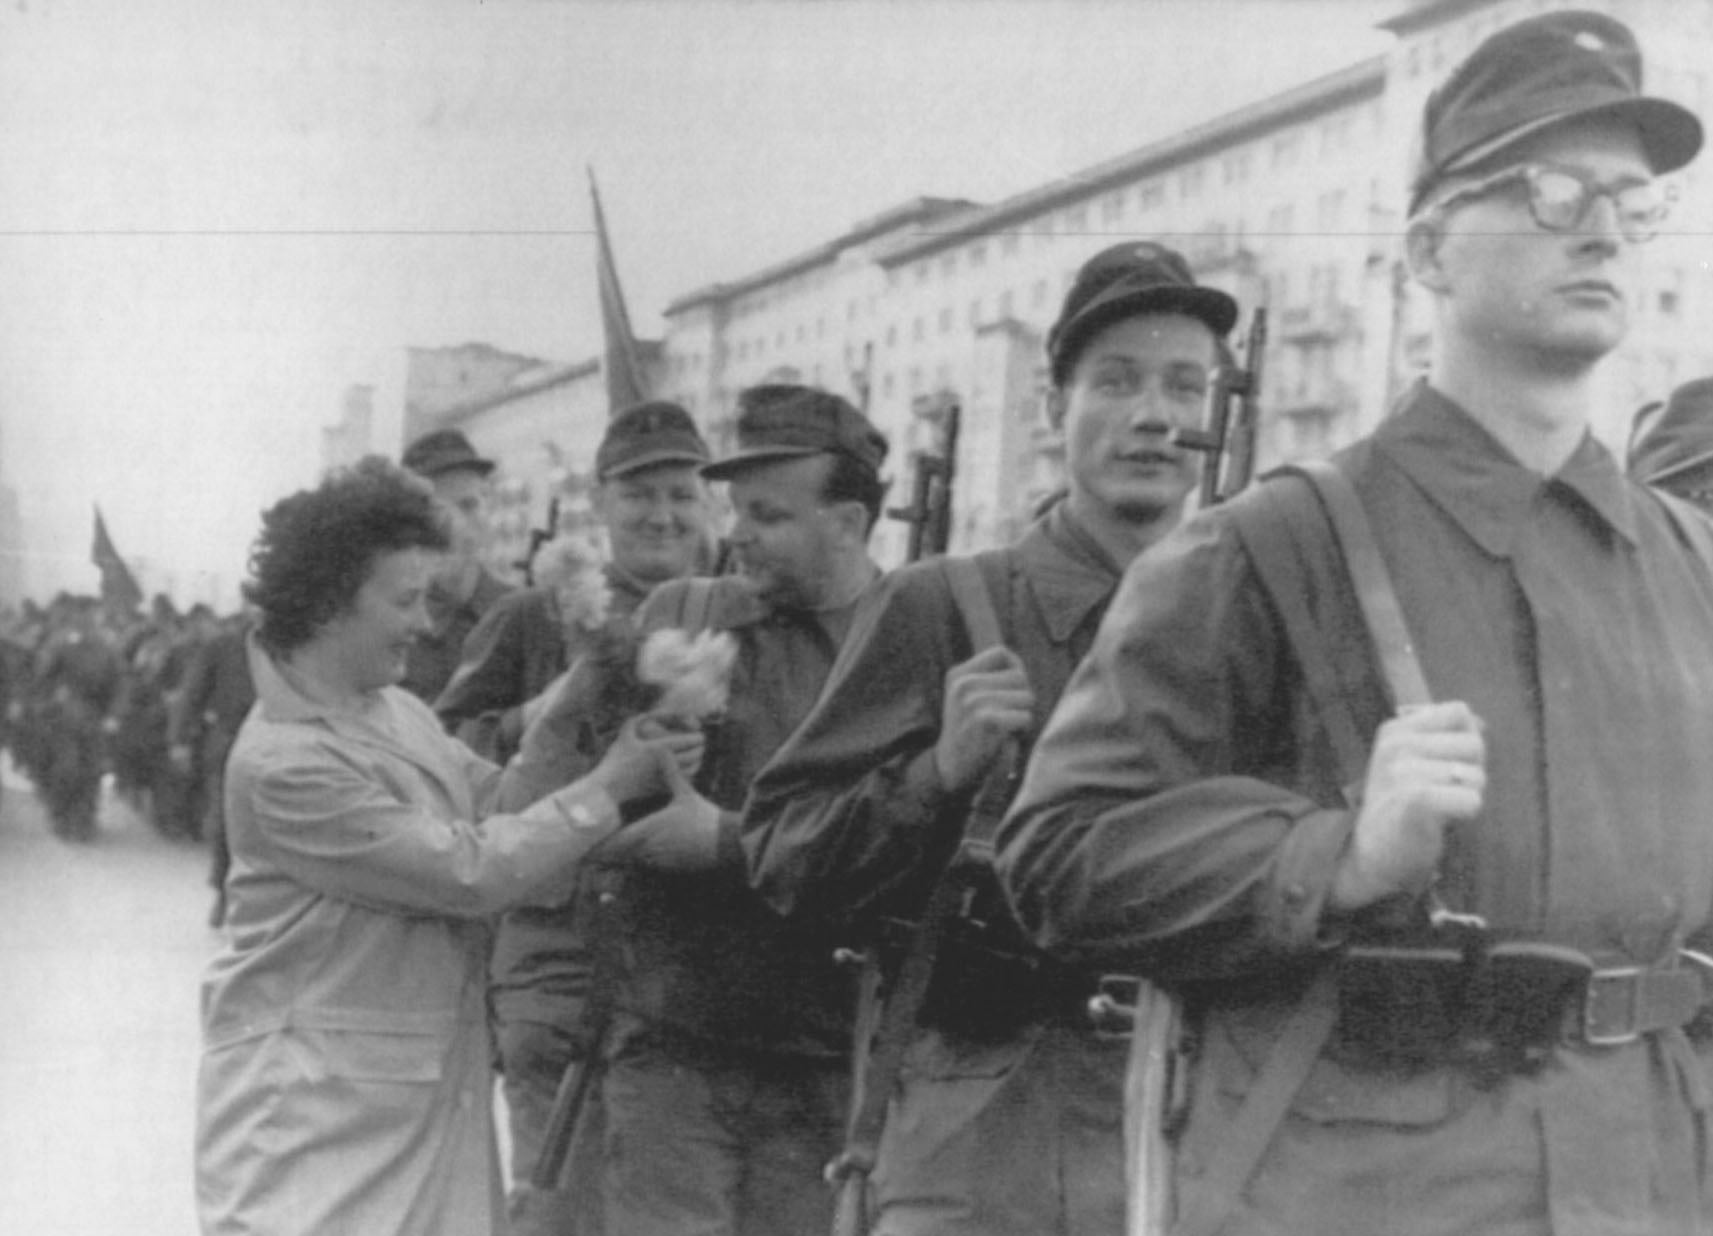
{"x": 101, "y": 950}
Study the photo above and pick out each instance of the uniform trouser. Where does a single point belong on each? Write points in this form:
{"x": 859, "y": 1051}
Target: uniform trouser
{"x": 1022, "y": 1138}
{"x": 719, "y": 1147}
{"x": 534, "y": 1053}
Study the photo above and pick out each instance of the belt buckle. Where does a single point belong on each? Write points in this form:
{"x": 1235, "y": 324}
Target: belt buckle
{"x": 1112, "y": 1008}
{"x": 1592, "y": 1020}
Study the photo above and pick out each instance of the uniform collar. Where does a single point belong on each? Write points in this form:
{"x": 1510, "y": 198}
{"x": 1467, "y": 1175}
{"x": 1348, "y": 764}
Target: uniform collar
{"x": 1066, "y": 571}
{"x": 1470, "y": 475}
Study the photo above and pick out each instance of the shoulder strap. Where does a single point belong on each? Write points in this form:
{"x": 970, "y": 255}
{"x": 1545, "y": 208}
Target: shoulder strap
{"x": 975, "y": 603}
{"x": 1399, "y": 665}
{"x": 1280, "y": 528}
{"x": 698, "y": 603}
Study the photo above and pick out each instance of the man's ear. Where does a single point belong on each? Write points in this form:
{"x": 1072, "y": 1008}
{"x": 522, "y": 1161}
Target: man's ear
{"x": 1056, "y": 407}
{"x": 851, "y": 519}
{"x": 1423, "y": 248}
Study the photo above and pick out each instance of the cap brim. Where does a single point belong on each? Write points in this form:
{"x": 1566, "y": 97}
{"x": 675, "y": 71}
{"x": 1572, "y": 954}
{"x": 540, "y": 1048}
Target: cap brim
{"x": 1671, "y": 134}
{"x": 1680, "y": 440}
{"x": 481, "y": 467}
{"x": 654, "y": 459}
{"x": 723, "y": 469}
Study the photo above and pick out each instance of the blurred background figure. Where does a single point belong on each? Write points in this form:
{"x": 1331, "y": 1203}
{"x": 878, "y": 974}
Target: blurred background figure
{"x": 463, "y": 589}
{"x": 207, "y": 712}
{"x": 1671, "y": 444}
{"x": 76, "y": 680}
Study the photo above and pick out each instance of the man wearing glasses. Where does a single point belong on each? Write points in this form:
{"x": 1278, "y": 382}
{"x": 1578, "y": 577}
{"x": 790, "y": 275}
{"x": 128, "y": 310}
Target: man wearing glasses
{"x": 1185, "y": 813}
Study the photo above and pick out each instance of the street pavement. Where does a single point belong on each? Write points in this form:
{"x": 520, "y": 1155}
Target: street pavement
{"x": 102, "y": 947}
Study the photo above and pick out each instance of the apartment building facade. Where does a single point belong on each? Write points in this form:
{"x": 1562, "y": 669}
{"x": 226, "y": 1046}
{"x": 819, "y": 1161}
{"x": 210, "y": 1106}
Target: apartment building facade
{"x": 1294, "y": 203}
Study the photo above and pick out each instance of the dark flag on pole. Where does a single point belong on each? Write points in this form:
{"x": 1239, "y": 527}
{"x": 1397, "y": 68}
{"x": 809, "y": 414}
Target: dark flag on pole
{"x": 119, "y": 588}
{"x": 625, "y": 385}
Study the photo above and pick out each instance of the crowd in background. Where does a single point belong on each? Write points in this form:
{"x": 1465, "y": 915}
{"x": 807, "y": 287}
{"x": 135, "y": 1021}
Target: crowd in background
{"x": 151, "y": 699}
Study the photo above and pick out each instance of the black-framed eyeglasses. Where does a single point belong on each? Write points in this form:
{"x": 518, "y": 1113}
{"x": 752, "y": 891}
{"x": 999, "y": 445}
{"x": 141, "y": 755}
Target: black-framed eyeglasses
{"x": 1561, "y": 197}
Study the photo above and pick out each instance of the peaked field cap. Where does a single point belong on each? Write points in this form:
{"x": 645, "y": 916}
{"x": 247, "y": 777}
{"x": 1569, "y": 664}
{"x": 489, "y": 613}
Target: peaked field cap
{"x": 444, "y": 450}
{"x": 646, "y": 435}
{"x": 1544, "y": 71}
{"x": 786, "y": 421}
{"x": 1126, "y": 280}
{"x": 1677, "y": 445}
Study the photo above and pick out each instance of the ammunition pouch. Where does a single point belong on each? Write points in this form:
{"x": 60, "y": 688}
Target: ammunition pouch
{"x": 1458, "y": 996}
{"x": 988, "y": 982}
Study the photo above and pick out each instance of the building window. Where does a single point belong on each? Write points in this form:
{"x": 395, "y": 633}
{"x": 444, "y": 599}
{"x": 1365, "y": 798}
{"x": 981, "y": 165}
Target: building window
{"x": 1280, "y": 222}
{"x": 1038, "y": 297}
{"x": 1076, "y": 221}
{"x": 1234, "y": 168}
{"x": 949, "y": 265}
{"x": 978, "y": 256}
{"x": 1190, "y": 182}
{"x": 1150, "y": 196}
{"x": 1009, "y": 244}
{"x": 1287, "y": 148}
{"x": 1113, "y": 208}
{"x": 1005, "y": 304}
{"x": 946, "y": 321}
{"x": 892, "y": 334}
{"x": 922, "y": 271}
{"x": 975, "y": 313}
{"x": 918, "y": 330}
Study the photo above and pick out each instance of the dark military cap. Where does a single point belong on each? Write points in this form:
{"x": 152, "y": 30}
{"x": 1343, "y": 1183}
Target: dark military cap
{"x": 1539, "y": 73}
{"x": 444, "y": 450}
{"x": 646, "y": 435}
{"x": 785, "y": 421}
{"x": 1673, "y": 447}
{"x": 1124, "y": 281}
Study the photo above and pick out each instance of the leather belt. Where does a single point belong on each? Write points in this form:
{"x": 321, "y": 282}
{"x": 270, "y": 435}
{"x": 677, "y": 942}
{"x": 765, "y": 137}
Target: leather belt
{"x": 1622, "y": 1003}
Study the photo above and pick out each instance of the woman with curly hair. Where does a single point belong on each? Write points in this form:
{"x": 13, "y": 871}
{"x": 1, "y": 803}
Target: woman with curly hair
{"x": 346, "y": 1072}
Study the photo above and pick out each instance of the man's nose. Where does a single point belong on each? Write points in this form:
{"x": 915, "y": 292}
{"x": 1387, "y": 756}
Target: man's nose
{"x": 1601, "y": 227}
{"x": 1152, "y": 412}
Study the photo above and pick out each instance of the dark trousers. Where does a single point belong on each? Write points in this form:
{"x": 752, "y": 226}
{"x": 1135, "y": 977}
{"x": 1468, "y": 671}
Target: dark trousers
{"x": 1023, "y": 1138}
{"x": 707, "y": 1147}
{"x": 534, "y": 1055}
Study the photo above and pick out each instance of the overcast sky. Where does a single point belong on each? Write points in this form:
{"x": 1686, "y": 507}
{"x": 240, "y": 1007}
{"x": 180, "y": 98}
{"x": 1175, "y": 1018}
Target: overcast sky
{"x": 216, "y": 216}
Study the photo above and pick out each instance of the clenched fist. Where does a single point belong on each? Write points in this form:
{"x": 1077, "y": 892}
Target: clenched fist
{"x": 987, "y": 699}
{"x": 1427, "y": 772}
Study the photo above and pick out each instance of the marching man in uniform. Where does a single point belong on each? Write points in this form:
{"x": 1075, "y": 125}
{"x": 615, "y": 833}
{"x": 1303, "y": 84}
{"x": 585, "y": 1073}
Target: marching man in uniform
{"x": 1186, "y": 813}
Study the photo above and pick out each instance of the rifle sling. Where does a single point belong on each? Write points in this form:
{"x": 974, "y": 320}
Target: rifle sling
{"x": 1280, "y": 528}
{"x": 903, "y": 1004}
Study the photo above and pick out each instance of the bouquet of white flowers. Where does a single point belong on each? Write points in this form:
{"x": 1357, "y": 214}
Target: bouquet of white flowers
{"x": 573, "y": 567}
{"x": 692, "y": 671}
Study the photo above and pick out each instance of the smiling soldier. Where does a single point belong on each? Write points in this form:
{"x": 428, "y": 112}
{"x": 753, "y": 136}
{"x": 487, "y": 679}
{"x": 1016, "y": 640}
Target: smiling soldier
{"x": 1008, "y": 1114}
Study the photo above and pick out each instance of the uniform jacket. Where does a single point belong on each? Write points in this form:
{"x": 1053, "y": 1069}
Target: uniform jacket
{"x": 216, "y": 696}
{"x": 345, "y": 1083}
{"x": 1181, "y": 815}
{"x": 851, "y": 811}
{"x": 708, "y": 964}
{"x": 434, "y": 656}
{"x": 539, "y": 969}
